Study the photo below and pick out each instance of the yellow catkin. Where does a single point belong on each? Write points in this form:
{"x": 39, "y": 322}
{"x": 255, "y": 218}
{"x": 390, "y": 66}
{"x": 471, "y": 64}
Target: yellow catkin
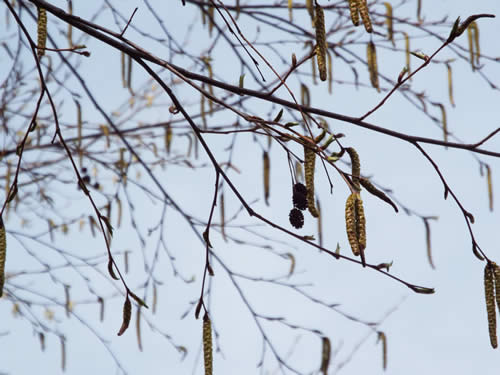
{"x": 207, "y": 345}
{"x": 354, "y": 10}
{"x": 211, "y": 13}
{"x": 474, "y": 50}
{"x": 3, "y": 254}
{"x": 450, "y": 84}
{"x": 383, "y": 339}
{"x": 407, "y": 52}
{"x": 490, "y": 187}
{"x": 321, "y": 42}
{"x": 355, "y": 223}
{"x": 355, "y": 167}
{"x": 266, "y": 168}
{"x": 310, "y": 10}
{"x": 222, "y": 217}
{"x": 325, "y": 355}
{"x": 365, "y": 15}
{"x": 309, "y": 166}
{"x": 360, "y": 223}
{"x": 330, "y": 72}
{"x": 389, "y": 21}
{"x": 41, "y": 31}
{"x": 496, "y": 274}
{"x": 350, "y": 223}
{"x": 489, "y": 293}
{"x": 444, "y": 121}
{"x": 290, "y": 10}
{"x": 371, "y": 54}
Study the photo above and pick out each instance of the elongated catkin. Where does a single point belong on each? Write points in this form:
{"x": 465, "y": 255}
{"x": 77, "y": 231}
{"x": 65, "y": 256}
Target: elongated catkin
{"x": 321, "y": 42}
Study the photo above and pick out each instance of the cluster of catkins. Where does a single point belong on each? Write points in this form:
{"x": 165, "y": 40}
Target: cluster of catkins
{"x": 300, "y": 204}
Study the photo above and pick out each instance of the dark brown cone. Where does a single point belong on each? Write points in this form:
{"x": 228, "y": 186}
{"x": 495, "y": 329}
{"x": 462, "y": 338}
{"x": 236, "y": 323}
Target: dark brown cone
{"x": 296, "y": 218}
{"x": 299, "y": 196}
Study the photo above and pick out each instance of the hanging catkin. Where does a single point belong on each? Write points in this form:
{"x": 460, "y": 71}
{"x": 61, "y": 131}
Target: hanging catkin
{"x": 41, "y": 31}
{"x": 3, "y": 253}
{"x": 489, "y": 293}
{"x": 207, "y": 345}
{"x": 321, "y": 42}
{"x": 309, "y": 166}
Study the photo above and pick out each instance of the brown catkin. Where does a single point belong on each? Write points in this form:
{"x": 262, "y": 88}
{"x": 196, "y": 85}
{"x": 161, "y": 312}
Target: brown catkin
{"x": 41, "y": 31}
{"x": 325, "y": 355}
{"x": 365, "y": 15}
{"x": 207, "y": 345}
{"x": 489, "y": 293}
{"x": 309, "y": 166}
{"x": 3, "y": 253}
{"x": 321, "y": 42}
{"x": 354, "y": 10}
{"x": 266, "y": 167}
{"x": 127, "y": 315}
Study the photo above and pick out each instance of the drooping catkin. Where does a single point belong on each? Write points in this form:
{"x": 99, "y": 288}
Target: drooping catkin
{"x": 489, "y": 293}
{"x": 383, "y": 339}
{"x": 496, "y": 277}
{"x": 365, "y": 15}
{"x": 360, "y": 223}
{"x": 350, "y": 222}
{"x": 41, "y": 31}
{"x": 3, "y": 254}
{"x": 450, "y": 84}
{"x": 354, "y": 10}
{"x": 266, "y": 167}
{"x": 490, "y": 187}
{"x": 389, "y": 21}
{"x": 355, "y": 223}
{"x": 355, "y": 167}
{"x": 310, "y": 10}
{"x": 321, "y": 42}
{"x": 325, "y": 355}
{"x": 207, "y": 345}
{"x": 309, "y": 166}
{"x": 371, "y": 54}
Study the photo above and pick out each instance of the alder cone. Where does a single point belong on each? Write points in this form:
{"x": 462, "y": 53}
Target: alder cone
{"x": 296, "y": 218}
{"x": 299, "y": 196}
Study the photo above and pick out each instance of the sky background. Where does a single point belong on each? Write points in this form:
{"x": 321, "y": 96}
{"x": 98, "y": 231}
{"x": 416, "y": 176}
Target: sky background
{"x": 444, "y": 332}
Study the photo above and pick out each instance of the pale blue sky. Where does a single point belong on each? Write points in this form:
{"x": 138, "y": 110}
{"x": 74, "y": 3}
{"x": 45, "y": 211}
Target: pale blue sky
{"x": 441, "y": 333}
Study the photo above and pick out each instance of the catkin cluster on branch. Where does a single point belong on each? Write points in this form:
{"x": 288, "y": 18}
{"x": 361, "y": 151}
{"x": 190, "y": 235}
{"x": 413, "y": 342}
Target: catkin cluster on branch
{"x": 359, "y": 8}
